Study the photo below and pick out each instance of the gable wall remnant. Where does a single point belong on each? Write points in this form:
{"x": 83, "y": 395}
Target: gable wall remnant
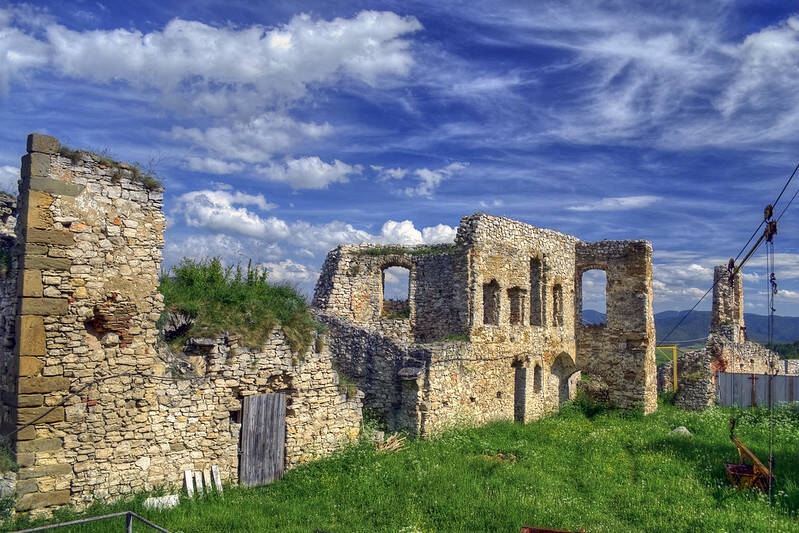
{"x": 98, "y": 408}
{"x": 496, "y": 335}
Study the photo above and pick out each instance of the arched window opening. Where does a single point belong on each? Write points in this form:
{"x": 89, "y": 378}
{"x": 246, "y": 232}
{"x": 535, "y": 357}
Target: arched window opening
{"x": 396, "y": 293}
{"x": 517, "y": 295}
{"x": 491, "y": 303}
{"x": 557, "y": 305}
{"x": 594, "y": 297}
{"x": 537, "y": 379}
{"x": 536, "y": 301}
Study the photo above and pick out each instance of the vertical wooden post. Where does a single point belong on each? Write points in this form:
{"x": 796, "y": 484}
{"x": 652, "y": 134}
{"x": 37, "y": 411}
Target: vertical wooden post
{"x": 129, "y": 523}
{"x": 674, "y": 364}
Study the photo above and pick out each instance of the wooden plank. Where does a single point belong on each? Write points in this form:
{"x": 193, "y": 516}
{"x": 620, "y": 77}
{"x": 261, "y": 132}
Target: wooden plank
{"x": 263, "y": 439}
{"x": 198, "y": 481}
{"x": 189, "y": 480}
{"x": 217, "y": 477}
{"x": 207, "y": 480}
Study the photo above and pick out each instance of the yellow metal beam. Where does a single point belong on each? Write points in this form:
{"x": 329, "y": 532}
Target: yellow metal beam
{"x": 674, "y": 360}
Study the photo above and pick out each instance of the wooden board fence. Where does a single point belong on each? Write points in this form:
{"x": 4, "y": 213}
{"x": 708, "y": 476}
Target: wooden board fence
{"x": 746, "y": 390}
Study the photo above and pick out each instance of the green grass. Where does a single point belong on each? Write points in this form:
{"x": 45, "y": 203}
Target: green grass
{"x": 238, "y": 301}
{"x": 587, "y": 467}
{"x": 377, "y": 251}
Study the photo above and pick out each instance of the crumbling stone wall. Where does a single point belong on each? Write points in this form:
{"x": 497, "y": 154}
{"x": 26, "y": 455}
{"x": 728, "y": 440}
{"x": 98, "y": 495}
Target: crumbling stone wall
{"x": 726, "y": 350}
{"x": 98, "y": 412}
{"x": 9, "y": 271}
{"x": 620, "y": 352}
{"x": 492, "y": 332}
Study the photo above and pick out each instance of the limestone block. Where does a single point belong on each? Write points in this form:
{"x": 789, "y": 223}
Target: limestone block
{"x": 27, "y": 433}
{"x": 40, "y": 384}
{"x": 45, "y": 144}
{"x": 30, "y": 283}
{"x": 35, "y": 164}
{"x": 30, "y": 400}
{"x": 61, "y": 188}
{"x": 43, "y": 306}
{"x": 36, "y": 500}
{"x": 30, "y": 366}
{"x": 47, "y": 263}
{"x": 45, "y": 236}
{"x": 31, "y": 335}
{"x": 40, "y": 445}
{"x": 29, "y": 414}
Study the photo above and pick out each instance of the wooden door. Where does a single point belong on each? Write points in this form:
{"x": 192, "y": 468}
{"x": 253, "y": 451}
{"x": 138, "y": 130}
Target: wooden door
{"x": 263, "y": 439}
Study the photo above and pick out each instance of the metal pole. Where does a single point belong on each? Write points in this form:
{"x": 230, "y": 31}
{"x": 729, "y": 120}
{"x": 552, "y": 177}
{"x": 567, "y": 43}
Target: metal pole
{"x": 129, "y": 523}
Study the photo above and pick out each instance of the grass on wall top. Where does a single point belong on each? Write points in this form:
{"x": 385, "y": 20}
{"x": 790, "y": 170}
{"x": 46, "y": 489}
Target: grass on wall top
{"x": 238, "y": 301}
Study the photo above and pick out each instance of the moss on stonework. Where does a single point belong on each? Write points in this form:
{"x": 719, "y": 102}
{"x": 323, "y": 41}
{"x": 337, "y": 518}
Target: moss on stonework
{"x": 377, "y": 251}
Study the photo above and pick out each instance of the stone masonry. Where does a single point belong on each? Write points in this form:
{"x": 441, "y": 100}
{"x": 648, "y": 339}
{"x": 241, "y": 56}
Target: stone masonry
{"x": 726, "y": 350}
{"x": 93, "y": 407}
{"x": 493, "y": 330}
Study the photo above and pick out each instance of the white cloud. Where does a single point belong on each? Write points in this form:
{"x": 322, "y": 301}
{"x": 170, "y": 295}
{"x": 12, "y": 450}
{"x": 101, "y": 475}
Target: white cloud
{"x": 309, "y": 172}
{"x": 217, "y": 69}
{"x": 9, "y": 176}
{"x": 224, "y": 212}
{"x": 429, "y": 180}
{"x": 19, "y": 52}
{"x": 618, "y": 203}
{"x": 440, "y": 233}
{"x": 213, "y": 166}
{"x": 288, "y": 271}
{"x": 493, "y": 203}
{"x": 254, "y": 140}
{"x": 389, "y": 173}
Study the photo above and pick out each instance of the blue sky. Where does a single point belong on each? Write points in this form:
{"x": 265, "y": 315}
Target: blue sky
{"x": 281, "y": 129}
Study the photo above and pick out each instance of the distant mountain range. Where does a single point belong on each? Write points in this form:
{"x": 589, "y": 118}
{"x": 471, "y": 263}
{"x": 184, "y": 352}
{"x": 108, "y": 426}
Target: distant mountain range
{"x": 696, "y": 326}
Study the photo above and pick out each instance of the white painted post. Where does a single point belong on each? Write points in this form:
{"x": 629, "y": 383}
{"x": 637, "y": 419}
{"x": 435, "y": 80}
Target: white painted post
{"x": 217, "y": 477}
{"x": 207, "y": 480}
{"x": 189, "y": 483}
{"x": 198, "y": 481}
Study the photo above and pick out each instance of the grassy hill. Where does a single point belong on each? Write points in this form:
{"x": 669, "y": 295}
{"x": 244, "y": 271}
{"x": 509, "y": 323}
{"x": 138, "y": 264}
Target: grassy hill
{"x": 786, "y": 328}
{"x": 588, "y": 468}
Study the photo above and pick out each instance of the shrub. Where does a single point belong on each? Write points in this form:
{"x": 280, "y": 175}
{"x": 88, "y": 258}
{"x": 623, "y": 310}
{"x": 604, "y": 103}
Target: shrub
{"x": 238, "y": 301}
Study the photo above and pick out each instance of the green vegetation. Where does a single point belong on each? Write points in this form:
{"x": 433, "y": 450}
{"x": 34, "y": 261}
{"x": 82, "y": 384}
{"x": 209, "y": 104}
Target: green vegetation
{"x": 7, "y": 463}
{"x": 377, "y": 251}
{"x": 390, "y": 315}
{"x": 787, "y": 350}
{"x": 238, "y": 301}
{"x": 452, "y": 337}
{"x": 588, "y": 467}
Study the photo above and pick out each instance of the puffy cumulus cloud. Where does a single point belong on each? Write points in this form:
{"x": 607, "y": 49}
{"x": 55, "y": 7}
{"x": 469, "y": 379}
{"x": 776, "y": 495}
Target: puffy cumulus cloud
{"x": 618, "y": 203}
{"x": 288, "y": 271}
{"x": 439, "y": 234}
{"x": 309, "y": 172}
{"x": 254, "y": 140}
{"x": 429, "y": 180}
{"x": 225, "y": 212}
{"x": 219, "y": 68}
{"x": 9, "y": 176}
{"x": 679, "y": 285}
{"x": 213, "y": 166}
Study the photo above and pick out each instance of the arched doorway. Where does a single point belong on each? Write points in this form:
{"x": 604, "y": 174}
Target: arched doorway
{"x": 558, "y": 383}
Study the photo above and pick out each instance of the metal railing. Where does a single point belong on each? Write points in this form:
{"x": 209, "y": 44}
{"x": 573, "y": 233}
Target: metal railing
{"x": 129, "y": 516}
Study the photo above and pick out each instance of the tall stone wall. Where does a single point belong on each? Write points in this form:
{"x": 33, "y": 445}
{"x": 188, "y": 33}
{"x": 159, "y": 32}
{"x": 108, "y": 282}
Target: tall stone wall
{"x": 492, "y": 327}
{"x": 99, "y": 413}
{"x": 9, "y": 271}
{"x": 728, "y": 303}
{"x": 622, "y": 351}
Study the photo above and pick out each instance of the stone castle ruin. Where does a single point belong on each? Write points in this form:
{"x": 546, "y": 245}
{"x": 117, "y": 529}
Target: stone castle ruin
{"x": 727, "y": 350}
{"x": 95, "y": 407}
{"x": 92, "y": 407}
{"x": 493, "y": 327}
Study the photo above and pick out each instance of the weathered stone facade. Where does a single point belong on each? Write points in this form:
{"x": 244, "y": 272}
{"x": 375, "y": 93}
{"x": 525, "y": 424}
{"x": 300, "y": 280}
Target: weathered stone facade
{"x": 93, "y": 409}
{"x": 492, "y": 331}
{"x": 726, "y": 350}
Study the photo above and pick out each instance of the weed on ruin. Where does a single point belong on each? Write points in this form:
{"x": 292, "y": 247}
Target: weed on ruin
{"x": 234, "y": 300}
{"x": 377, "y": 251}
{"x": 588, "y": 467}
